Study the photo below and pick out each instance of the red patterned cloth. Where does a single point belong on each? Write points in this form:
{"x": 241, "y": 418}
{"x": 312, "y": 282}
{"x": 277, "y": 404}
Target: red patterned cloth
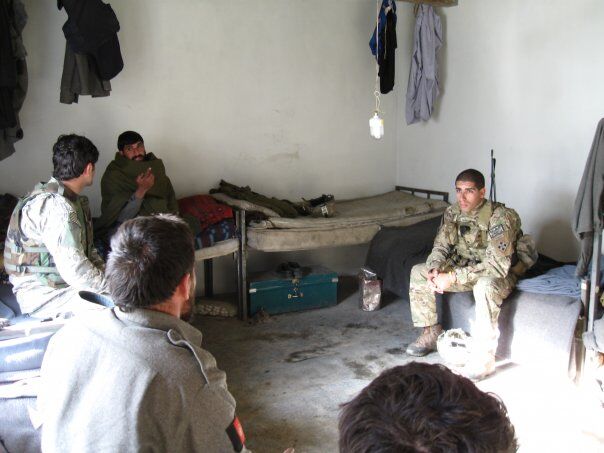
{"x": 204, "y": 208}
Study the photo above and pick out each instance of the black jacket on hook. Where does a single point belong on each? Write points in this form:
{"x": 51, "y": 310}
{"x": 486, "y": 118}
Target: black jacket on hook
{"x": 91, "y": 28}
{"x": 383, "y": 48}
{"x": 8, "y": 68}
{"x": 13, "y": 74}
{"x": 386, "y": 56}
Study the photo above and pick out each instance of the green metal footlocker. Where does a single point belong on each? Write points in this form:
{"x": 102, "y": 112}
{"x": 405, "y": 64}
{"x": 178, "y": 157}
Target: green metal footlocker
{"x": 274, "y": 293}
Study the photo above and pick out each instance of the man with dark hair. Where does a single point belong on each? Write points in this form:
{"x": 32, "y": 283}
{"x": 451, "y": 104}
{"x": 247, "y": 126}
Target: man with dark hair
{"x": 149, "y": 259}
{"x": 134, "y": 183}
{"x": 135, "y": 378}
{"x": 421, "y": 408}
{"x": 49, "y": 252}
{"x": 475, "y": 250}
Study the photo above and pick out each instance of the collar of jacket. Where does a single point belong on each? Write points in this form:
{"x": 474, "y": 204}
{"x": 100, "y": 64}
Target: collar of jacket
{"x": 132, "y": 168}
{"x": 474, "y": 212}
{"x": 59, "y": 188}
{"x": 161, "y": 321}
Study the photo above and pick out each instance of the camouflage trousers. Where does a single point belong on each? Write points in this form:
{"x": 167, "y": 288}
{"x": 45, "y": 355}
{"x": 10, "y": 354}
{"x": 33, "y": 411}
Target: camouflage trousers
{"x": 489, "y": 293}
{"x": 46, "y": 302}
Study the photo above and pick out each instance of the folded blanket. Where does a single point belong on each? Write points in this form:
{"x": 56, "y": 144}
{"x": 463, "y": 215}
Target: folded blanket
{"x": 561, "y": 280}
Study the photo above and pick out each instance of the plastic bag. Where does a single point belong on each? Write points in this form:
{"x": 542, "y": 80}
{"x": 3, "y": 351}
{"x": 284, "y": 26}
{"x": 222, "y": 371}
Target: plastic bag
{"x": 370, "y": 290}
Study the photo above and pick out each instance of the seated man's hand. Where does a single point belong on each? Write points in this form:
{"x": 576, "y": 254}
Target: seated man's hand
{"x": 432, "y": 274}
{"x": 144, "y": 182}
{"x": 443, "y": 281}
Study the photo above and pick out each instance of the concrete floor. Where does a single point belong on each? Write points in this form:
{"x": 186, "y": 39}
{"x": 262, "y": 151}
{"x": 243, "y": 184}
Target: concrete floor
{"x": 291, "y": 373}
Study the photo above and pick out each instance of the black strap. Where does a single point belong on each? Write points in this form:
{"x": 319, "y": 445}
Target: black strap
{"x": 493, "y": 192}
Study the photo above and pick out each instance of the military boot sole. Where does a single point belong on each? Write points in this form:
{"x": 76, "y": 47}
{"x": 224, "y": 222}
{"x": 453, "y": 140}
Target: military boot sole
{"x": 418, "y": 352}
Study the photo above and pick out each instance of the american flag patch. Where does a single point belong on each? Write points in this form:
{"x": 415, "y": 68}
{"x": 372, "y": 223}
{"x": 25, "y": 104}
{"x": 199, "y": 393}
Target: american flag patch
{"x": 496, "y": 231}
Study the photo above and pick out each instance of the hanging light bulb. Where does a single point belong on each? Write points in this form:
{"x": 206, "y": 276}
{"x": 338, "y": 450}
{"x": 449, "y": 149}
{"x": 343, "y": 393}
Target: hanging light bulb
{"x": 376, "y": 122}
{"x": 376, "y": 126}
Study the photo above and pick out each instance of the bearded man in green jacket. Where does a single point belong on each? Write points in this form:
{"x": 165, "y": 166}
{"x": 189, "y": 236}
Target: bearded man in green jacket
{"x": 134, "y": 184}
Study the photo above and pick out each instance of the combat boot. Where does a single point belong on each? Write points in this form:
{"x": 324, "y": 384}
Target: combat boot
{"x": 480, "y": 366}
{"x": 426, "y": 342}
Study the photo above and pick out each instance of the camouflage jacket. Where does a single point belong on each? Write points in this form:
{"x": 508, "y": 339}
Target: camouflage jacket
{"x": 59, "y": 221}
{"x": 476, "y": 244}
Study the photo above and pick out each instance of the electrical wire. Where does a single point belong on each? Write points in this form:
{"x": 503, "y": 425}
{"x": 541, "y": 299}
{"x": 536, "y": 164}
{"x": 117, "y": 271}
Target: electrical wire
{"x": 376, "y": 91}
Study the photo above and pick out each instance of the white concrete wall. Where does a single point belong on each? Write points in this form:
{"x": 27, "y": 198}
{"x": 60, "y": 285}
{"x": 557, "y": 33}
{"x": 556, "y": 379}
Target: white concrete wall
{"x": 524, "y": 78}
{"x": 275, "y": 94}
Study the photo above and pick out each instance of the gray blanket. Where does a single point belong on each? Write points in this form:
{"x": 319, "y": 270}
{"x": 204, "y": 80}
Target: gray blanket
{"x": 395, "y": 250}
{"x": 535, "y": 329}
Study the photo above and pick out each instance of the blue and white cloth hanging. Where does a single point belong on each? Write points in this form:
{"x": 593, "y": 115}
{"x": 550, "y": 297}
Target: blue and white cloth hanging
{"x": 423, "y": 89}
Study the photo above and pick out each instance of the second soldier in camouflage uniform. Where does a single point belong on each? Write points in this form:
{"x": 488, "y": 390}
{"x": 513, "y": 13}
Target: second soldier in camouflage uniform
{"x": 49, "y": 252}
{"x": 474, "y": 250}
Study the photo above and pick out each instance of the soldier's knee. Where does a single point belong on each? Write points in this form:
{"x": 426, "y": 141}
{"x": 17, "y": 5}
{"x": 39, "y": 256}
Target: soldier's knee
{"x": 490, "y": 288}
{"x": 485, "y": 285}
{"x": 417, "y": 272}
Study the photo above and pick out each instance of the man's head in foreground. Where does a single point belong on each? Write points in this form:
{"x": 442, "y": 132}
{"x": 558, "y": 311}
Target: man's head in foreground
{"x": 131, "y": 145}
{"x": 423, "y": 408}
{"x": 73, "y": 158}
{"x": 151, "y": 265}
{"x": 469, "y": 189}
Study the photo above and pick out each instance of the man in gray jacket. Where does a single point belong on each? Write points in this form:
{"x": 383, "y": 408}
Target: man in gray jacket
{"x": 135, "y": 378}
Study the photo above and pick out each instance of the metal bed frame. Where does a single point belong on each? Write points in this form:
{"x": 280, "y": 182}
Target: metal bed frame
{"x": 241, "y": 256}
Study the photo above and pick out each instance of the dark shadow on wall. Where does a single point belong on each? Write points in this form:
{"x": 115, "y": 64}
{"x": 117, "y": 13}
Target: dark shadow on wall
{"x": 556, "y": 240}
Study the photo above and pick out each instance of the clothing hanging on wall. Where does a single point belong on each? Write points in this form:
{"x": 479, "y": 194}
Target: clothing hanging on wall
{"x": 587, "y": 211}
{"x": 92, "y": 54}
{"x": 13, "y": 74}
{"x": 80, "y": 77}
{"x": 386, "y": 30}
{"x": 423, "y": 87}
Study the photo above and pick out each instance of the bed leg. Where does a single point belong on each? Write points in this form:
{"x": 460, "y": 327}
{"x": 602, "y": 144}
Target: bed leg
{"x": 208, "y": 277}
{"x": 242, "y": 266}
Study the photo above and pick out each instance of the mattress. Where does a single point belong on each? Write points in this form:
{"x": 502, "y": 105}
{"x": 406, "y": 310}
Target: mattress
{"x": 355, "y": 222}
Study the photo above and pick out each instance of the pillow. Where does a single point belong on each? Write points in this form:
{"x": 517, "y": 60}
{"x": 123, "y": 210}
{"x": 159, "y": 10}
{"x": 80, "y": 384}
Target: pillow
{"x": 205, "y": 209}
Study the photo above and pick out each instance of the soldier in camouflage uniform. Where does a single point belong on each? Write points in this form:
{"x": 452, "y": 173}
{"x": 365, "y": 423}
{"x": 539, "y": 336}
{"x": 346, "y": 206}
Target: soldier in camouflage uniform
{"x": 474, "y": 250}
{"x": 49, "y": 253}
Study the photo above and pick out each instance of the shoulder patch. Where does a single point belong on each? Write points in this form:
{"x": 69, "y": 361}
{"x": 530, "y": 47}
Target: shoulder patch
{"x": 496, "y": 231}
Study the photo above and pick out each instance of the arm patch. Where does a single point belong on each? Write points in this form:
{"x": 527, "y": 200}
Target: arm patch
{"x": 496, "y": 231}
{"x": 73, "y": 218}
